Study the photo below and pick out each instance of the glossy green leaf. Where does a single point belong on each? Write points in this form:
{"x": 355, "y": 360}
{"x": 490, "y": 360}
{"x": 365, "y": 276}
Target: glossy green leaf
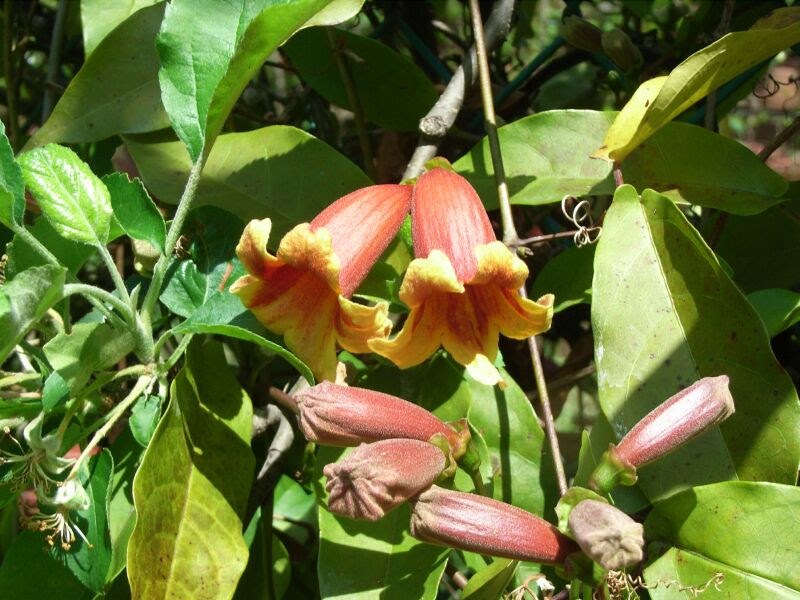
{"x": 743, "y": 530}
{"x": 546, "y": 157}
{"x": 134, "y": 210}
{"x": 12, "y": 187}
{"x": 28, "y": 571}
{"x": 294, "y": 510}
{"x": 211, "y": 266}
{"x": 363, "y": 559}
{"x": 193, "y": 485}
{"x": 257, "y": 174}
{"x": 695, "y": 78}
{"x": 568, "y": 276}
{"x": 24, "y": 300}
{"x": 490, "y": 582}
{"x": 89, "y": 347}
{"x": 209, "y": 51}
{"x": 335, "y": 12}
{"x": 127, "y": 453}
{"x": 90, "y": 564}
{"x": 101, "y": 17}
{"x": 224, "y": 314}
{"x": 116, "y": 91}
{"x": 54, "y": 392}
{"x": 380, "y": 76}
{"x": 665, "y": 314}
{"x": 758, "y": 266}
{"x": 73, "y": 199}
{"x": 22, "y": 256}
{"x": 145, "y": 415}
{"x": 778, "y": 309}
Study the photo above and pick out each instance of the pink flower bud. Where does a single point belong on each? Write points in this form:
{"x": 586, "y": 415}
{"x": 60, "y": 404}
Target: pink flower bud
{"x": 375, "y": 478}
{"x": 606, "y": 534}
{"x": 339, "y": 415}
{"x": 487, "y": 526}
{"x": 447, "y": 214}
{"x": 677, "y": 420}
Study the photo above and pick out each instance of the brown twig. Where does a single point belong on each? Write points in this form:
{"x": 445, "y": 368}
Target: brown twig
{"x": 11, "y": 92}
{"x": 510, "y": 233}
{"x": 284, "y": 399}
{"x": 355, "y": 104}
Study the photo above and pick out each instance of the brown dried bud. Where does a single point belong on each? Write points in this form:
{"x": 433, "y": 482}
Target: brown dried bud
{"x": 338, "y": 415}
{"x": 677, "y": 420}
{"x": 581, "y": 34}
{"x": 375, "y": 478}
{"x": 607, "y": 535}
{"x": 619, "y": 48}
{"x": 478, "y": 524}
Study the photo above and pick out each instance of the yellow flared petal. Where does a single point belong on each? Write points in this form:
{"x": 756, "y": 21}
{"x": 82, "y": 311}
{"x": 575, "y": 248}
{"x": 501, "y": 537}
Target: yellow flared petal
{"x": 252, "y": 247}
{"x": 498, "y": 265}
{"x": 356, "y": 324}
{"x": 426, "y": 276}
{"x": 483, "y": 371}
{"x": 420, "y": 337}
{"x": 311, "y": 251}
{"x": 511, "y": 314}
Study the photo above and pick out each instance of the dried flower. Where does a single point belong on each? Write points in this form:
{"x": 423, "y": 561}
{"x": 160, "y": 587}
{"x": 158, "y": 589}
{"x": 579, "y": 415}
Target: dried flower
{"x": 303, "y": 291}
{"x": 487, "y": 526}
{"x": 606, "y": 534}
{"x": 377, "y": 477}
{"x": 462, "y": 288}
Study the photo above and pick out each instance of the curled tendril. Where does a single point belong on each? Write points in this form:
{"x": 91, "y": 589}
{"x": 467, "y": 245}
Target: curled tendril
{"x": 620, "y": 583}
{"x": 586, "y": 231}
{"x": 769, "y": 86}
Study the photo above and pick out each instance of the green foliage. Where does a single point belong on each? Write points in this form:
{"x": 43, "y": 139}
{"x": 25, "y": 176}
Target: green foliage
{"x": 134, "y": 210}
{"x": 12, "y": 188}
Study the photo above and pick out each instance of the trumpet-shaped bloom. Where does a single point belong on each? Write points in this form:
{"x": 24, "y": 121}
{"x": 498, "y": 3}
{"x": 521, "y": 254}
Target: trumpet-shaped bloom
{"x": 303, "y": 291}
{"x": 462, "y": 289}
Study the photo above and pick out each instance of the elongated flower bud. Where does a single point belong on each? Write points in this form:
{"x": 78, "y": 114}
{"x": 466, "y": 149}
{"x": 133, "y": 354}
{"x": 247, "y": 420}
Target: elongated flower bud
{"x": 676, "y": 421}
{"x": 619, "y": 48}
{"x": 339, "y": 415}
{"x": 581, "y": 34}
{"x": 375, "y": 478}
{"x": 606, "y": 534}
{"x": 478, "y": 524}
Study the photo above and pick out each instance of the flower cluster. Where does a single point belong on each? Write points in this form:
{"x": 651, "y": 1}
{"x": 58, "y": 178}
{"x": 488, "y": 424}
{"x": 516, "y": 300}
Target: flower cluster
{"x": 461, "y": 289}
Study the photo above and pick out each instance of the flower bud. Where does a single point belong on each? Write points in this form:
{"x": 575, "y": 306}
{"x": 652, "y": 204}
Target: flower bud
{"x": 581, "y": 34}
{"x": 606, "y": 534}
{"x": 619, "y": 48}
{"x": 339, "y": 415}
{"x": 375, "y": 478}
{"x": 479, "y": 524}
{"x": 673, "y": 423}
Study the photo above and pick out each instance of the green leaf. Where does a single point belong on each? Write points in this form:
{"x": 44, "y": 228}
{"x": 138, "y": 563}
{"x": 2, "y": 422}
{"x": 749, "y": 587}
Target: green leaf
{"x": 337, "y": 11}
{"x": 780, "y": 256}
{"x": 134, "y": 210}
{"x": 211, "y": 266}
{"x": 192, "y": 488}
{"x": 54, "y": 392}
{"x": 257, "y": 174}
{"x": 665, "y": 314}
{"x": 28, "y": 571}
{"x": 12, "y": 187}
{"x": 695, "y": 78}
{"x": 224, "y": 314}
{"x": 294, "y": 511}
{"x": 490, "y": 582}
{"x": 73, "y": 199}
{"x": 380, "y": 76}
{"x": 101, "y": 17}
{"x": 363, "y": 559}
{"x": 743, "y": 530}
{"x": 209, "y": 51}
{"x": 121, "y": 513}
{"x": 89, "y": 347}
{"x": 22, "y": 256}
{"x": 24, "y": 300}
{"x": 546, "y": 157}
{"x": 116, "y": 90}
{"x": 267, "y": 569}
{"x": 778, "y": 309}
{"x": 568, "y": 276}
{"x": 145, "y": 415}
{"x": 90, "y": 564}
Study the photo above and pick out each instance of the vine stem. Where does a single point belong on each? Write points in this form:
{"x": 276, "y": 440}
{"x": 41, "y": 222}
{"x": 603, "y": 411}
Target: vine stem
{"x": 160, "y": 270}
{"x": 510, "y": 233}
{"x": 355, "y": 104}
{"x": 141, "y": 385}
{"x": 92, "y": 291}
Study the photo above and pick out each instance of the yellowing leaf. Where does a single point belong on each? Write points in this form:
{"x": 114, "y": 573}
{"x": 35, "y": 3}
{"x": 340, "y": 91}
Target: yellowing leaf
{"x": 695, "y": 78}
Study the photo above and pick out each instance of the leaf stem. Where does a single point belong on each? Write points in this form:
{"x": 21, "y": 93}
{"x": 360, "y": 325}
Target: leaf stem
{"x": 510, "y": 232}
{"x": 116, "y": 276}
{"x": 355, "y": 104}
{"x": 141, "y": 385}
{"x": 37, "y": 246}
{"x": 91, "y": 291}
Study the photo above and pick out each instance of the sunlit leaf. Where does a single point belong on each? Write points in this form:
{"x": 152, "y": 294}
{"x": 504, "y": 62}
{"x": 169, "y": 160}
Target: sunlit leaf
{"x": 12, "y": 187}
{"x": 134, "y": 210}
{"x": 101, "y": 17}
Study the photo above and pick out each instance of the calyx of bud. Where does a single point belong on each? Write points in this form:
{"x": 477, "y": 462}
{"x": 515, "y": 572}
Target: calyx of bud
{"x": 606, "y": 534}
